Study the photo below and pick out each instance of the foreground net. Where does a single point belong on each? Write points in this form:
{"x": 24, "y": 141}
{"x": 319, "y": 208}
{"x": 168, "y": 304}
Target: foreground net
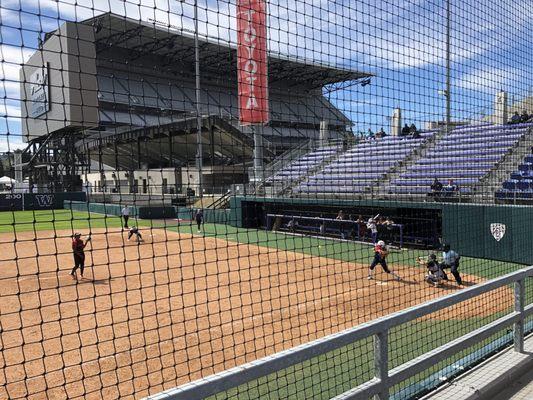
{"x": 189, "y": 187}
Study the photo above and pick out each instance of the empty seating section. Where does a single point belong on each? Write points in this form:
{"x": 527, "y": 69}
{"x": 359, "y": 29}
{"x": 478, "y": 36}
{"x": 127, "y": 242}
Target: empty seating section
{"x": 300, "y": 167}
{"x": 520, "y": 186}
{"x": 360, "y": 167}
{"x": 465, "y": 155}
{"x": 155, "y": 93}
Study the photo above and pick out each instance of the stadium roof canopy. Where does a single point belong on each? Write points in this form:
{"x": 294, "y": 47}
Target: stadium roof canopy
{"x": 175, "y": 45}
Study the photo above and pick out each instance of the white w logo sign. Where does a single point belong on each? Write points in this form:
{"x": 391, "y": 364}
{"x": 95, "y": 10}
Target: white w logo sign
{"x": 45, "y": 200}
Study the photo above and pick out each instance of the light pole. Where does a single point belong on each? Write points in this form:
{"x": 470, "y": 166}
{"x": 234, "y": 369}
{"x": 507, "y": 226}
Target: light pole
{"x": 199, "y": 152}
{"x": 448, "y": 71}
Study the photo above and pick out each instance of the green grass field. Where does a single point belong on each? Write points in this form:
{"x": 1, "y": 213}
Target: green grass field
{"x": 324, "y": 376}
{"x": 21, "y": 221}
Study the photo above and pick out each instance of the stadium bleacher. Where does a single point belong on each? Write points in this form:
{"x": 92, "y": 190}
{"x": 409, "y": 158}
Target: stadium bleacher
{"x": 361, "y": 166}
{"x": 520, "y": 186}
{"x": 465, "y": 155}
{"x": 298, "y": 168}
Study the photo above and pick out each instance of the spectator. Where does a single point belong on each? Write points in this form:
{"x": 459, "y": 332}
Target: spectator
{"x": 405, "y": 130}
{"x": 372, "y": 227}
{"x": 516, "y": 119}
{"x": 416, "y": 135}
{"x": 389, "y": 228}
{"x": 370, "y": 134}
{"x": 436, "y": 188}
{"x": 322, "y": 228}
{"x": 381, "y": 134}
{"x": 451, "y": 187}
{"x": 361, "y": 228}
{"x": 341, "y": 216}
{"x": 412, "y": 129}
{"x": 525, "y": 116}
{"x": 291, "y": 225}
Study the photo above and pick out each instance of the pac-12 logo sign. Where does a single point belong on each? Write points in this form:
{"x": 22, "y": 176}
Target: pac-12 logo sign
{"x": 498, "y": 231}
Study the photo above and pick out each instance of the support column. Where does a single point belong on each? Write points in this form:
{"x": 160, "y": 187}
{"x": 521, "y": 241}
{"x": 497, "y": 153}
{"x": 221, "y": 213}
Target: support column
{"x": 324, "y": 131}
{"x": 396, "y": 122}
{"x": 258, "y": 154}
{"x": 17, "y": 158}
{"x": 500, "y": 108}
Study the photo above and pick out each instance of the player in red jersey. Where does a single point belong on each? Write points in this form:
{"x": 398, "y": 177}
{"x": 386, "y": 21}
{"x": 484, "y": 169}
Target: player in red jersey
{"x": 380, "y": 255}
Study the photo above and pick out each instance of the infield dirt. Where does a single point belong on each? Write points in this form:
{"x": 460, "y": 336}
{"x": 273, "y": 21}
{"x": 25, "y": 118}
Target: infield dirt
{"x": 178, "y": 307}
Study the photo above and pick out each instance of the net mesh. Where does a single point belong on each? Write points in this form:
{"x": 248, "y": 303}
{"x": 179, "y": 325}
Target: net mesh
{"x": 190, "y": 186}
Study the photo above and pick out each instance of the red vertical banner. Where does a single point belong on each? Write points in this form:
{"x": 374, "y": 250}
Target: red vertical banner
{"x": 252, "y": 68}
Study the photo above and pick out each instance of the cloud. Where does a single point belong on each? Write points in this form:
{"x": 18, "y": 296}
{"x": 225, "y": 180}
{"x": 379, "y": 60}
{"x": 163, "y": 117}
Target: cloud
{"x": 9, "y": 110}
{"x": 11, "y": 144}
{"x": 489, "y": 79}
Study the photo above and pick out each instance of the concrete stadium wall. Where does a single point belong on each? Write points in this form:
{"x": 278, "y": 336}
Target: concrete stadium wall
{"x": 70, "y": 87}
{"x": 466, "y": 227}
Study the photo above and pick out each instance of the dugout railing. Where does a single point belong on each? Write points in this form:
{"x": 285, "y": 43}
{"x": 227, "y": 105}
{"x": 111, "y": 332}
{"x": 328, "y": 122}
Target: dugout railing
{"x": 385, "y": 377}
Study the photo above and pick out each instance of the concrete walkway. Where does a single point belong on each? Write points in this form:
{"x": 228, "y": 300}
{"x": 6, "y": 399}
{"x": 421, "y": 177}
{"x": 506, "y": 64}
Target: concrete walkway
{"x": 521, "y": 389}
{"x": 508, "y": 375}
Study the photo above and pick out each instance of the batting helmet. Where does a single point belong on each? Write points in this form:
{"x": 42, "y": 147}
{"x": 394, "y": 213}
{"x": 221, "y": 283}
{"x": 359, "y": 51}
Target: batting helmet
{"x": 381, "y": 243}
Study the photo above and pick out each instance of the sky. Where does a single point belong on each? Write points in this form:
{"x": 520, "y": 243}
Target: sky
{"x": 401, "y": 42}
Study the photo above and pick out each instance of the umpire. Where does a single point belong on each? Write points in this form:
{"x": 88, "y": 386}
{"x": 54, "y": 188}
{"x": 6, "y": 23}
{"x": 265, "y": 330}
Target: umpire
{"x": 451, "y": 260}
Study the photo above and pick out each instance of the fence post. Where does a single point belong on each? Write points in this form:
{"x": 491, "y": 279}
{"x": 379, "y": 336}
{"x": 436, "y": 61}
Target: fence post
{"x": 518, "y": 329}
{"x": 381, "y": 363}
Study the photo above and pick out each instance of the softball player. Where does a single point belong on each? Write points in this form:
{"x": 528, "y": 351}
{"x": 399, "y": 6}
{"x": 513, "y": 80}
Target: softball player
{"x": 135, "y": 231}
{"x": 78, "y": 247}
{"x": 435, "y": 273}
{"x": 380, "y": 255}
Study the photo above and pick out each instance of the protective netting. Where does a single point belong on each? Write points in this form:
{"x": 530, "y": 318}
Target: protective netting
{"x": 191, "y": 186}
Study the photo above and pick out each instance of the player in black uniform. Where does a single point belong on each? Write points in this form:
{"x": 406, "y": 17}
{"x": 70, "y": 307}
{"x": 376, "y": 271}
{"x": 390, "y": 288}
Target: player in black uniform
{"x": 135, "y": 231}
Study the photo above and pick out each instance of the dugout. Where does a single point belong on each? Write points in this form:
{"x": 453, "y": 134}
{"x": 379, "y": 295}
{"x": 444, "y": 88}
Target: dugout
{"x": 497, "y": 232}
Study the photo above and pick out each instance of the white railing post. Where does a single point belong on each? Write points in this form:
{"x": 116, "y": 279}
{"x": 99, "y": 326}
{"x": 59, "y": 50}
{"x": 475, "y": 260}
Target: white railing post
{"x": 381, "y": 363}
{"x": 518, "y": 329}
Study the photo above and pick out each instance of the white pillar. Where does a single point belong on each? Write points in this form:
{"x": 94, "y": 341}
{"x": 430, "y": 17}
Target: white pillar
{"x": 396, "y": 122}
{"x": 17, "y": 161}
{"x": 500, "y": 108}
{"x": 324, "y": 131}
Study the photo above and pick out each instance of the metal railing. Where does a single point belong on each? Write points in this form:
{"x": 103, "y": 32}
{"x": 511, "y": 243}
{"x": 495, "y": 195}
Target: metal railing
{"x": 384, "y": 377}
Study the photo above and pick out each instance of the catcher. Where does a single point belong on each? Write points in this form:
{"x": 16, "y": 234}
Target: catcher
{"x": 435, "y": 274}
{"x": 380, "y": 255}
{"x": 78, "y": 247}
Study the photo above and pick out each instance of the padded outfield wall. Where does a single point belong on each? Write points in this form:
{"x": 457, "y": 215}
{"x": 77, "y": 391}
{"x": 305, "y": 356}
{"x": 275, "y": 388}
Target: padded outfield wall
{"x": 468, "y": 228}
